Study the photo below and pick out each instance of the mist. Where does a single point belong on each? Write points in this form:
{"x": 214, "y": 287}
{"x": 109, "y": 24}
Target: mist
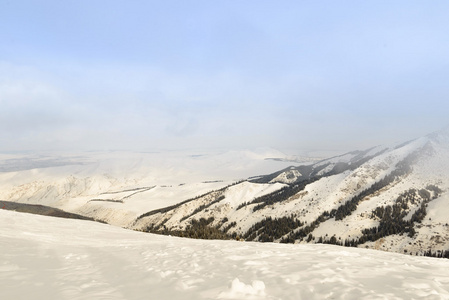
{"x": 298, "y": 77}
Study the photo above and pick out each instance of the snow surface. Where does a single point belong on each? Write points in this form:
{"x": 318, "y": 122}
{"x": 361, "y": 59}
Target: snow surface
{"x": 247, "y": 191}
{"x": 52, "y": 258}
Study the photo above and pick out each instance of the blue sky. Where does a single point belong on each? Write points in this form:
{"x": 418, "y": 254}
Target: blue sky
{"x": 149, "y": 75}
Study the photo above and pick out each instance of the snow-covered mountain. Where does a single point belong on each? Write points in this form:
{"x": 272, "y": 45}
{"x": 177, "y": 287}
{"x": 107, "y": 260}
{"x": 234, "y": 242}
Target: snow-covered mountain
{"x": 388, "y": 198}
{"x": 53, "y": 258}
{"x": 392, "y": 198}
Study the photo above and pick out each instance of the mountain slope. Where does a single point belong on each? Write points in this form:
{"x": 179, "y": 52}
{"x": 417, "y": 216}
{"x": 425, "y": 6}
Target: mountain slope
{"x": 389, "y": 198}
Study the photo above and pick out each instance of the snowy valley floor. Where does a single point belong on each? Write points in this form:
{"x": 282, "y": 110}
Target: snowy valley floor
{"x": 52, "y": 258}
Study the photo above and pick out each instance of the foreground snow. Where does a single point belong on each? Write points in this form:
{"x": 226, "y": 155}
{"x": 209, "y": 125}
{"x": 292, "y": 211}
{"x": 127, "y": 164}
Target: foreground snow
{"x": 51, "y": 258}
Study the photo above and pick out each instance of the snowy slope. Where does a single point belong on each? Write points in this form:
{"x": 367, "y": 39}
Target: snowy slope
{"x": 117, "y": 187}
{"x": 336, "y": 199}
{"x": 218, "y": 205}
{"x": 432, "y": 168}
{"x": 52, "y": 258}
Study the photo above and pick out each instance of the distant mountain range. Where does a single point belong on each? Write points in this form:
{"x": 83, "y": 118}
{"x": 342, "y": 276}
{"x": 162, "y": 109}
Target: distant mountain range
{"x": 388, "y": 198}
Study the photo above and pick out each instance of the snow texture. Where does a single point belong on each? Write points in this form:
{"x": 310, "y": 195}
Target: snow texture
{"x": 53, "y": 258}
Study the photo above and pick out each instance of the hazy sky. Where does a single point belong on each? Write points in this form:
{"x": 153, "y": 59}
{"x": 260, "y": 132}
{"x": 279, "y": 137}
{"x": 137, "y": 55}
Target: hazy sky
{"x": 296, "y": 75}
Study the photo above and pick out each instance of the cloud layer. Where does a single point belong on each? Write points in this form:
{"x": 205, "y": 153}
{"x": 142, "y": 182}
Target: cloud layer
{"x": 304, "y": 76}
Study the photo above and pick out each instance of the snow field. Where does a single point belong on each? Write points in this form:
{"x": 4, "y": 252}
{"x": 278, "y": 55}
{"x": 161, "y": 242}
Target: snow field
{"x": 48, "y": 258}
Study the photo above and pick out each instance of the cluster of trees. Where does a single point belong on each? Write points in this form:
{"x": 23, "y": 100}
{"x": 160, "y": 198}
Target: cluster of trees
{"x": 438, "y": 254}
{"x": 392, "y": 221}
{"x": 156, "y": 228}
{"x": 306, "y": 230}
{"x": 332, "y": 240}
{"x": 402, "y": 168}
{"x": 392, "y": 216}
{"x": 198, "y": 229}
{"x": 279, "y": 195}
{"x": 203, "y": 207}
{"x": 242, "y": 205}
{"x": 229, "y": 226}
{"x": 172, "y": 207}
{"x": 270, "y": 229}
{"x": 169, "y": 208}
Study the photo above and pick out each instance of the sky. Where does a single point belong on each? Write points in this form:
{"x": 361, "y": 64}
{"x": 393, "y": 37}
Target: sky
{"x": 298, "y": 76}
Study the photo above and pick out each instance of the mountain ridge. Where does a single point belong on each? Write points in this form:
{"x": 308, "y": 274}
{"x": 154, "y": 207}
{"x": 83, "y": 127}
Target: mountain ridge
{"x": 380, "y": 198}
